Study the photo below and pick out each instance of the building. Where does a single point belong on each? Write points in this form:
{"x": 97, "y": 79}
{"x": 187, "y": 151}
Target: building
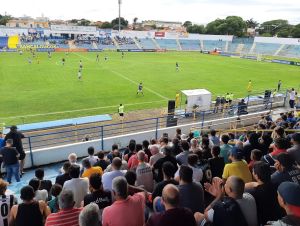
{"x": 28, "y": 22}
{"x": 167, "y": 25}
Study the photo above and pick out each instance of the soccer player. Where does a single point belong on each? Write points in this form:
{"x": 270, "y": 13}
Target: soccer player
{"x": 177, "y": 66}
{"x": 140, "y": 89}
{"x": 80, "y": 65}
{"x": 29, "y": 60}
{"x": 63, "y": 60}
{"x": 105, "y": 57}
{"x": 279, "y": 85}
{"x": 49, "y": 55}
{"x": 249, "y": 87}
{"x": 79, "y": 74}
{"x": 97, "y": 57}
{"x": 121, "y": 111}
{"x": 122, "y": 55}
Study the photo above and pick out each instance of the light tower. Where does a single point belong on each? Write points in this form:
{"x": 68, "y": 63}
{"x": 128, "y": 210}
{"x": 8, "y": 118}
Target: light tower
{"x": 120, "y": 2}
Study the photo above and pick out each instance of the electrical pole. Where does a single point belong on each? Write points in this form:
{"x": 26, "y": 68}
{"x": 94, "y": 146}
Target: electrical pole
{"x": 120, "y": 2}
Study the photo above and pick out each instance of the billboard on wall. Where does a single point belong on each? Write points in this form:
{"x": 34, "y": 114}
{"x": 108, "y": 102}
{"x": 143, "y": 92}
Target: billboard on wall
{"x": 159, "y": 34}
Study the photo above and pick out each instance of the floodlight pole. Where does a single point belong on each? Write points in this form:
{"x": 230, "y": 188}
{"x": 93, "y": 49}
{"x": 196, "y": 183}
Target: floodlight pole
{"x": 120, "y": 2}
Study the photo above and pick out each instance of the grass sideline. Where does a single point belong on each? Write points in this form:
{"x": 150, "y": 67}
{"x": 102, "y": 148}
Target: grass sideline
{"x": 49, "y": 91}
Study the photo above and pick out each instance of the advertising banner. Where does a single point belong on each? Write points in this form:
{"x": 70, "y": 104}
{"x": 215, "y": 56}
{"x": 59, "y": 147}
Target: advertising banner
{"x": 159, "y": 34}
{"x": 95, "y": 50}
{"x": 30, "y": 46}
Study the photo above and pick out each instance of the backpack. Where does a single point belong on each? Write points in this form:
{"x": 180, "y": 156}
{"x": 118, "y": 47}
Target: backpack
{"x": 227, "y": 212}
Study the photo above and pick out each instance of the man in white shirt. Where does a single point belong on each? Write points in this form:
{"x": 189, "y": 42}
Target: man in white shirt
{"x": 108, "y": 177}
{"x": 79, "y": 186}
{"x": 156, "y": 154}
{"x": 92, "y": 158}
{"x": 292, "y": 98}
{"x": 144, "y": 174}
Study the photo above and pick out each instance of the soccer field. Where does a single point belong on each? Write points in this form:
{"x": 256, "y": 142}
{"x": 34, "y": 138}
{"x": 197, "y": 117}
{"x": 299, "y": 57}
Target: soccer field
{"x": 48, "y": 87}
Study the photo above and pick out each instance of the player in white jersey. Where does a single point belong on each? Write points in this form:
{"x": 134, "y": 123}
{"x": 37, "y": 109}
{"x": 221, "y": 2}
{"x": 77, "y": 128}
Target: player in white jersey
{"x": 140, "y": 89}
{"x": 79, "y": 74}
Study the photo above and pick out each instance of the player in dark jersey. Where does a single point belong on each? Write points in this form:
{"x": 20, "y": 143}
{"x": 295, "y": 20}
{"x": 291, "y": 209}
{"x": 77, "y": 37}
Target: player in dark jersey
{"x": 63, "y": 61}
{"x": 97, "y": 57}
{"x": 122, "y": 55}
{"x": 177, "y": 66}
{"x": 140, "y": 89}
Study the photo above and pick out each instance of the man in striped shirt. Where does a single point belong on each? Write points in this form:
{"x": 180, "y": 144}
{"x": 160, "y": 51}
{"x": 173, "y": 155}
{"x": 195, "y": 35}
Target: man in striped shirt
{"x": 68, "y": 215}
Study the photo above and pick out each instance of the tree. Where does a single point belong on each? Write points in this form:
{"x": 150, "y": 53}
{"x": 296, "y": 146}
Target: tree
{"x": 115, "y": 23}
{"x": 235, "y": 25}
{"x": 4, "y": 19}
{"x": 135, "y": 20}
{"x": 213, "y": 27}
{"x": 106, "y": 25}
{"x": 251, "y": 23}
{"x": 197, "y": 29}
{"x": 273, "y": 26}
{"x": 296, "y": 31}
{"x": 187, "y": 24}
{"x": 84, "y": 22}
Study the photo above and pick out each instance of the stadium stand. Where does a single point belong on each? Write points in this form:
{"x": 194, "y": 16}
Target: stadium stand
{"x": 211, "y": 45}
{"x": 190, "y": 44}
{"x": 147, "y": 43}
{"x": 266, "y": 48}
{"x": 290, "y": 51}
{"x": 167, "y": 44}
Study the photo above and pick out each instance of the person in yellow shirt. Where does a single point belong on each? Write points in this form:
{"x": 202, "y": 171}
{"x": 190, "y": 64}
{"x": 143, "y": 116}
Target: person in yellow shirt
{"x": 177, "y": 100}
{"x": 237, "y": 167}
{"x": 249, "y": 87}
{"x": 89, "y": 170}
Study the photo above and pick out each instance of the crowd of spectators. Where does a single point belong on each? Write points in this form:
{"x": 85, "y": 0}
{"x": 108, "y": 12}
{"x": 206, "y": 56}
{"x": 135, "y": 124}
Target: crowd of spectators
{"x": 247, "y": 179}
{"x": 106, "y": 41}
{"x": 124, "y": 40}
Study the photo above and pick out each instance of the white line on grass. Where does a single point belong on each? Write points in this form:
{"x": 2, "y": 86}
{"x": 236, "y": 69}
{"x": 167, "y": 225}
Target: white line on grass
{"x": 85, "y": 109}
{"x": 126, "y": 78}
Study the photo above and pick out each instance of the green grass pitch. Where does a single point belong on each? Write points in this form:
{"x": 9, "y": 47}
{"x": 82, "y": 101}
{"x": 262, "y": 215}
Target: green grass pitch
{"x": 48, "y": 87}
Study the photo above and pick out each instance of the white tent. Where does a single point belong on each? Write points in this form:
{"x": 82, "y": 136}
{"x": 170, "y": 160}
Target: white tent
{"x": 199, "y": 97}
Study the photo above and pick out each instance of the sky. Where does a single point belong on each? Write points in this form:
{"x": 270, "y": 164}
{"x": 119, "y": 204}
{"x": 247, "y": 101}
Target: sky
{"x": 197, "y": 11}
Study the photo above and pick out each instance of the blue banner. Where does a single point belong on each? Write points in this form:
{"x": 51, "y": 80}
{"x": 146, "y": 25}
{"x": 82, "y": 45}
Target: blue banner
{"x": 95, "y": 50}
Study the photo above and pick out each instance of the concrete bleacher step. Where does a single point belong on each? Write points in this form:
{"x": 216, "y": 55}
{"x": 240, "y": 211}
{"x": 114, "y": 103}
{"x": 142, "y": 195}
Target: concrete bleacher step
{"x": 252, "y": 48}
{"x": 279, "y": 50}
{"x": 116, "y": 43}
{"x": 155, "y": 43}
{"x": 137, "y": 43}
{"x": 226, "y": 46}
{"x": 179, "y": 45}
{"x": 95, "y": 45}
{"x": 239, "y": 48}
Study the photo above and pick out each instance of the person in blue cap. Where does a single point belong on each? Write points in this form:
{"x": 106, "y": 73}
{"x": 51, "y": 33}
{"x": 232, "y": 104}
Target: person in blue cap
{"x": 289, "y": 200}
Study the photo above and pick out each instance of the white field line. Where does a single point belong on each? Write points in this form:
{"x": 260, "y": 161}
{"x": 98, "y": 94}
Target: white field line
{"x": 128, "y": 79}
{"x": 85, "y": 109}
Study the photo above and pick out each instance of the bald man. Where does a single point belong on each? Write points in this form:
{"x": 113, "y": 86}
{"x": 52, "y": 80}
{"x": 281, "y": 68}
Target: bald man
{"x": 173, "y": 215}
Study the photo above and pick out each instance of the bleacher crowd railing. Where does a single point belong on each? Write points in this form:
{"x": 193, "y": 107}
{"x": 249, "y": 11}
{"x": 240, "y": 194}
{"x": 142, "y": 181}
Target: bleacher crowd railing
{"x": 81, "y": 133}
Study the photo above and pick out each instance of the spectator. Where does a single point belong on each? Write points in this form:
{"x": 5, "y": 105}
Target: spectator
{"x": 205, "y": 148}
{"x": 214, "y": 138}
{"x": 156, "y": 155}
{"x": 178, "y": 133}
{"x": 93, "y": 159}
{"x": 191, "y": 193}
{"x": 146, "y": 148}
{"x": 280, "y": 146}
{"x": 79, "y": 186}
{"x": 295, "y": 150}
{"x": 237, "y": 167}
{"x": 6, "y": 201}
{"x": 289, "y": 200}
{"x": 10, "y": 157}
{"x": 17, "y": 137}
{"x": 264, "y": 194}
{"x": 285, "y": 170}
{"x": 39, "y": 194}
{"x": 164, "y": 141}
{"x": 131, "y": 149}
{"x": 124, "y": 164}
{"x": 168, "y": 170}
{"x": 194, "y": 145}
{"x": 216, "y": 163}
{"x": 126, "y": 210}
{"x": 253, "y": 144}
{"x": 236, "y": 209}
{"x": 73, "y": 159}
{"x": 225, "y": 148}
{"x": 144, "y": 175}
{"x": 53, "y": 204}
{"x": 174, "y": 215}
{"x": 29, "y": 212}
{"x": 114, "y": 147}
{"x": 182, "y": 158}
{"x": 192, "y": 163}
{"x": 89, "y": 216}
{"x": 89, "y": 170}
{"x": 158, "y": 165}
{"x": 2, "y": 141}
{"x": 130, "y": 177}
{"x": 266, "y": 141}
{"x": 133, "y": 160}
{"x": 44, "y": 184}
{"x": 108, "y": 177}
{"x": 176, "y": 148}
{"x": 61, "y": 179}
{"x": 68, "y": 215}
{"x": 256, "y": 156}
{"x": 98, "y": 196}
{"x": 101, "y": 161}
